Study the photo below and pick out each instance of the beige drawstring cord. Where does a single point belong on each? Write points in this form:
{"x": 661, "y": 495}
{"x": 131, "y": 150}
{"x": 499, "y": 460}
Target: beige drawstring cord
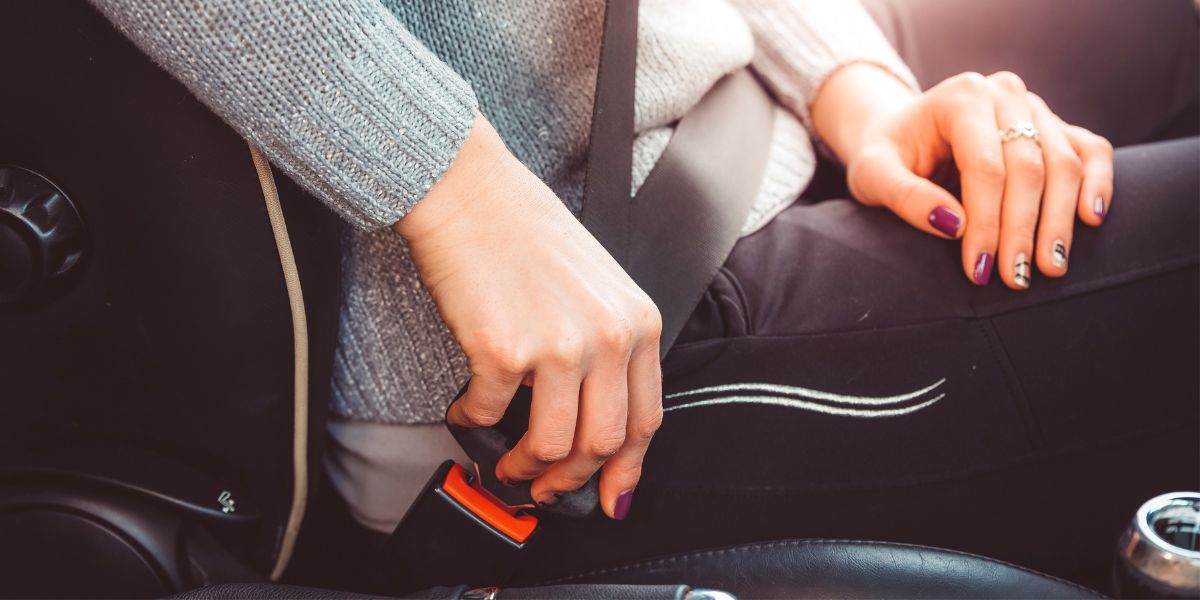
{"x": 291, "y": 278}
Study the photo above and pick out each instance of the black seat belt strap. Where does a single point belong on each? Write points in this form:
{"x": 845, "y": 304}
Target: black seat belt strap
{"x": 607, "y": 184}
{"x": 689, "y": 212}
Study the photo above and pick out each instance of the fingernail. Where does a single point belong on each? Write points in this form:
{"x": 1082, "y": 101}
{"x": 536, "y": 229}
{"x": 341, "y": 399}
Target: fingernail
{"x": 1058, "y": 255}
{"x": 1021, "y": 273}
{"x": 1098, "y": 206}
{"x": 945, "y": 221}
{"x": 983, "y": 268}
{"x": 508, "y": 483}
{"x": 553, "y": 499}
{"x": 623, "y": 503}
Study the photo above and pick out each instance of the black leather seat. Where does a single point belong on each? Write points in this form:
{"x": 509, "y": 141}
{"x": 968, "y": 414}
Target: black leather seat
{"x": 784, "y": 569}
{"x": 842, "y": 569}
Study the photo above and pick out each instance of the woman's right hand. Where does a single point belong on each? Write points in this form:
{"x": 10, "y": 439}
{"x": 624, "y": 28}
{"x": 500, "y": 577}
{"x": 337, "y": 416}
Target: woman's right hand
{"x": 533, "y": 298}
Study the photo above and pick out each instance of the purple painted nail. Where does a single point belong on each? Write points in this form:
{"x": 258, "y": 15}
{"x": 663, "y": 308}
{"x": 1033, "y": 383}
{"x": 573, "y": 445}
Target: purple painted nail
{"x": 1098, "y": 206}
{"x": 945, "y": 221}
{"x": 983, "y": 268}
{"x": 622, "y": 507}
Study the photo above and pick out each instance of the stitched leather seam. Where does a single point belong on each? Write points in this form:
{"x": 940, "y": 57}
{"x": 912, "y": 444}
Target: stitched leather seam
{"x": 757, "y": 548}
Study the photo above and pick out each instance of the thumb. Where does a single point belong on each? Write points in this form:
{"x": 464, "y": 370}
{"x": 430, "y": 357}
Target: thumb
{"x": 879, "y": 177}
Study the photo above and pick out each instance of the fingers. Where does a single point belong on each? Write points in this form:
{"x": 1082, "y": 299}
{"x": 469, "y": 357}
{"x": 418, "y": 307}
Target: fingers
{"x": 1064, "y": 171}
{"x": 621, "y": 409}
{"x": 603, "y": 407}
{"x": 552, "y": 417}
{"x": 622, "y": 471}
{"x": 923, "y": 204}
{"x": 1095, "y": 192}
{"x": 969, "y": 124}
{"x": 1025, "y": 178}
{"x": 487, "y": 396}
{"x": 592, "y": 408}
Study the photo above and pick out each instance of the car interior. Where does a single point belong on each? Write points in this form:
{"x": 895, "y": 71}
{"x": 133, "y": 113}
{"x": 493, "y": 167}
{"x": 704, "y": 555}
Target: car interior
{"x": 161, "y": 429}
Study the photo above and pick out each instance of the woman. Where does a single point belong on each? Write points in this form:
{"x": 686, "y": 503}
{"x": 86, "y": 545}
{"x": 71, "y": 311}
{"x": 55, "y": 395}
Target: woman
{"x": 463, "y": 127}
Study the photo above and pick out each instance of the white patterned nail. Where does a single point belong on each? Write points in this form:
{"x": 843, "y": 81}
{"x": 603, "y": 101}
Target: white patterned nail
{"x": 1098, "y": 206}
{"x": 1058, "y": 255}
{"x": 1021, "y": 273}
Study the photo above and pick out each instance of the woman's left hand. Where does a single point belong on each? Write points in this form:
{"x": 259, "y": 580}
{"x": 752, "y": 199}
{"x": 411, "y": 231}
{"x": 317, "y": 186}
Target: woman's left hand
{"x": 1019, "y": 197}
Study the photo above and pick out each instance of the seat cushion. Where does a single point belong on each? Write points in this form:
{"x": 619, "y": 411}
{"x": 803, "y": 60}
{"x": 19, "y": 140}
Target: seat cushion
{"x": 841, "y": 569}
{"x": 786, "y": 569}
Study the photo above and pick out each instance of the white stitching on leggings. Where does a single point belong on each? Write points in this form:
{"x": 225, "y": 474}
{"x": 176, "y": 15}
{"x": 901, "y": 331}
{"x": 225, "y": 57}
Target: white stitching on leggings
{"x": 814, "y": 400}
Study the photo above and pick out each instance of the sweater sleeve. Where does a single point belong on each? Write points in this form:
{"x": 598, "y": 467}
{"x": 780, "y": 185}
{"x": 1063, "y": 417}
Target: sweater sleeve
{"x": 800, "y": 43}
{"x": 338, "y": 94}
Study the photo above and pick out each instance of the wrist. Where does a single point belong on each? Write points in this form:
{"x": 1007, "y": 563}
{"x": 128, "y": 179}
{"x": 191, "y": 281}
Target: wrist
{"x": 482, "y": 155}
{"x": 851, "y": 100}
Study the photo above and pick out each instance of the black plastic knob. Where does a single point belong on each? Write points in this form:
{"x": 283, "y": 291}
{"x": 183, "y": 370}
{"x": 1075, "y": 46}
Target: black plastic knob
{"x": 42, "y": 237}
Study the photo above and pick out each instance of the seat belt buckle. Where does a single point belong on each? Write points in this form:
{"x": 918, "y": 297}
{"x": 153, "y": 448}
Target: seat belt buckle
{"x": 456, "y": 532}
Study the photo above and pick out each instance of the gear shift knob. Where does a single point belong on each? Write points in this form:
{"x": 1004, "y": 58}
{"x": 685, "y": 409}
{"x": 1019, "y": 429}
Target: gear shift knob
{"x": 1159, "y": 554}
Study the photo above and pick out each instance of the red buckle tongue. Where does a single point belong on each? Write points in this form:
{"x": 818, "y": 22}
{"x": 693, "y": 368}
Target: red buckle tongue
{"x": 476, "y": 482}
{"x": 484, "y": 505}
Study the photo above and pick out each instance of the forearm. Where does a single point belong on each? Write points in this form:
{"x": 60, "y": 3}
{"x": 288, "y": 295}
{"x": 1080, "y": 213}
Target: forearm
{"x": 850, "y": 99}
{"x": 339, "y": 95}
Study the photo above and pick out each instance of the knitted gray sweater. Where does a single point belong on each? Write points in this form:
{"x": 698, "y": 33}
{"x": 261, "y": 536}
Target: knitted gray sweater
{"x": 365, "y": 103}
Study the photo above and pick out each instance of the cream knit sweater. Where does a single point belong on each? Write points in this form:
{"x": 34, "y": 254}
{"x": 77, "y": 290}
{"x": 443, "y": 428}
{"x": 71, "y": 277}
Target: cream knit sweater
{"x": 365, "y": 103}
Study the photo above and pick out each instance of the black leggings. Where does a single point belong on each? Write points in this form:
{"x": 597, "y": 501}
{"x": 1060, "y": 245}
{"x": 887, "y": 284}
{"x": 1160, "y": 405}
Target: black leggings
{"x": 907, "y": 404}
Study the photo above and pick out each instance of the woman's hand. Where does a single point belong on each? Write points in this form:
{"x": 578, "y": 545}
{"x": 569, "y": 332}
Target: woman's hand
{"x": 532, "y": 297}
{"x": 1020, "y": 197}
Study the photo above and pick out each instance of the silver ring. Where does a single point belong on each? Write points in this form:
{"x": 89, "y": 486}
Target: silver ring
{"x": 1019, "y": 129}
